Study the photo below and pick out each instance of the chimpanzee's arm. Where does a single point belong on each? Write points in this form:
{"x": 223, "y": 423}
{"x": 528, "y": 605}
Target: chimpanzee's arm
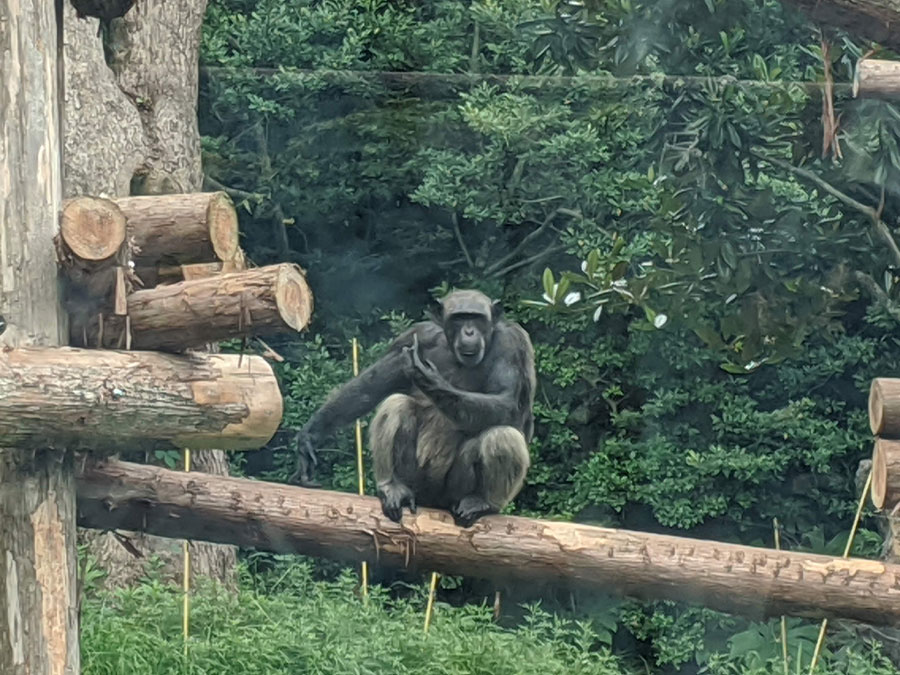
{"x": 501, "y": 403}
{"x": 389, "y": 375}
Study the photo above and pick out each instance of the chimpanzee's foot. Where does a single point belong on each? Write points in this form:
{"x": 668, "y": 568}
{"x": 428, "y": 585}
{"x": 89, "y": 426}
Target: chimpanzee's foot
{"x": 394, "y": 496}
{"x": 469, "y": 509}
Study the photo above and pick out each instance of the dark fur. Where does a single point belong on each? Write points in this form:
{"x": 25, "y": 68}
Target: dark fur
{"x": 452, "y": 429}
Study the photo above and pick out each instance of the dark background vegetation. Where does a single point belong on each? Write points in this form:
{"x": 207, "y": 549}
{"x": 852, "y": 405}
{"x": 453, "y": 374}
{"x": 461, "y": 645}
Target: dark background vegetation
{"x": 713, "y": 309}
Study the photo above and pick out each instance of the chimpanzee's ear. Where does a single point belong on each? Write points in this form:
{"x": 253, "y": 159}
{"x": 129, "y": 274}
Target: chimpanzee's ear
{"x": 435, "y": 312}
{"x": 496, "y": 311}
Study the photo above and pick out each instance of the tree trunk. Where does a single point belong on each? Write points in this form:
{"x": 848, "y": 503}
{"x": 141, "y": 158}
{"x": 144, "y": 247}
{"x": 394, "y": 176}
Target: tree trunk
{"x": 727, "y": 577}
{"x": 95, "y": 400}
{"x": 131, "y": 129}
{"x": 38, "y": 616}
{"x": 191, "y": 314}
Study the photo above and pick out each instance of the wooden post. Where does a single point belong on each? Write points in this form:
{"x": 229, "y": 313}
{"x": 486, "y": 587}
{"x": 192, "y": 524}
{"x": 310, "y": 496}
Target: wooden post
{"x": 38, "y": 623}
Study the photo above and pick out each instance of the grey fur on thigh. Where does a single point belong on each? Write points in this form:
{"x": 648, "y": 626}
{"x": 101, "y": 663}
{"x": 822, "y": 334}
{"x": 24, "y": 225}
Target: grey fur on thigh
{"x": 414, "y": 444}
{"x": 492, "y": 466}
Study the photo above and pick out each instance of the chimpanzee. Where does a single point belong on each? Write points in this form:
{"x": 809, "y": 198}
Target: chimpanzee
{"x": 454, "y": 417}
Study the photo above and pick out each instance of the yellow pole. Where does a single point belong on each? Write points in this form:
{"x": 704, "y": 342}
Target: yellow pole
{"x": 359, "y": 465}
{"x": 186, "y": 609}
{"x": 429, "y": 609}
{"x": 784, "y": 645}
{"x": 856, "y": 519}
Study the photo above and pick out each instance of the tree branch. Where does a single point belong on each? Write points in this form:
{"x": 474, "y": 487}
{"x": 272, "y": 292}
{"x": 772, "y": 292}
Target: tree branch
{"x": 234, "y": 193}
{"x": 281, "y": 235}
{"x": 522, "y": 263}
{"x": 518, "y": 250}
{"x": 459, "y": 238}
{"x": 874, "y": 215}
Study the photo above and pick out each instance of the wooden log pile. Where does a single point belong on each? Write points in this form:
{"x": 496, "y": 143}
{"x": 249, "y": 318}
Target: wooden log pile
{"x": 285, "y": 519}
{"x": 884, "y": 421}
{"x": 102, "y": 400}
{"x": 166, "y": 273}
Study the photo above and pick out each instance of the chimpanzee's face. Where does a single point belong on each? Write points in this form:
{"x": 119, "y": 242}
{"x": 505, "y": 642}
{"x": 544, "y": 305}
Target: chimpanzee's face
{"x": 469, "y": 335}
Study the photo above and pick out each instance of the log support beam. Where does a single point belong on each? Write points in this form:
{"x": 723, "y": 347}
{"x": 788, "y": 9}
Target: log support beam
{"x": 254, "y": 514}
{"x": 100, "y": 401}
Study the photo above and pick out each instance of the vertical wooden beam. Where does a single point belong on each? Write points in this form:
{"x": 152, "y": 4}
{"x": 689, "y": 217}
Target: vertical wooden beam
{"x": 38, "y": 622}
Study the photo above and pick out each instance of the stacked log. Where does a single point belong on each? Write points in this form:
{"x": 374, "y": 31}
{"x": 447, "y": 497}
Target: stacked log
{"x": 94, "y": 253}
{"x": 884, "y": 421}
{"x": 185, "y": 250}
{"x": 191, "y": 314}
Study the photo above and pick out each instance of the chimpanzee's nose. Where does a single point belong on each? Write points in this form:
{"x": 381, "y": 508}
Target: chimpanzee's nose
{"x": 468, "y": 332}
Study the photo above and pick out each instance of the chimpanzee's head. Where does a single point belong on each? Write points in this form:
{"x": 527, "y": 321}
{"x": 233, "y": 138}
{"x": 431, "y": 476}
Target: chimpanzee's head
{"x": 468, "y": 318}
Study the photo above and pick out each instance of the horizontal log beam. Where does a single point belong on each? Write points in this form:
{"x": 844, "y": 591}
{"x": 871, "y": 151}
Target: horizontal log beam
{"x": 181, "y": 228}
{"x": 190, "y": 314}
{"x": 254, "y": 514}
{"x": 109, "y": 401}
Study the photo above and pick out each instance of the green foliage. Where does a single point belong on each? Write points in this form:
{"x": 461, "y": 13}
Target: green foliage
{"x": 623, "y": 175}
{"x": 284, "y": 622}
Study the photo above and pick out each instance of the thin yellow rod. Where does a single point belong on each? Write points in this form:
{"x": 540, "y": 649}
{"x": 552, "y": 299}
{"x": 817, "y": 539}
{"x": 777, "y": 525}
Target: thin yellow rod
{"x": 784, "y": 644}
{"x": 359, "y": 465}
{"x": 856, "y": 519}
{"x": 186, "y": 609}
{"x": 429, "y": 609}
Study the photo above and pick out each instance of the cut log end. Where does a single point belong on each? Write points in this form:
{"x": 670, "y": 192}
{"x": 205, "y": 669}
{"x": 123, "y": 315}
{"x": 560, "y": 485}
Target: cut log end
{"x": 884, "y": 407}
{"x": 877, "y": 78}
{"x": 876, "y": 407}
{"x": 886, "y": 474}
{"x": 223, "y": 226}
{"x": 293, "y": 297}
{"x": 92, "y": 228}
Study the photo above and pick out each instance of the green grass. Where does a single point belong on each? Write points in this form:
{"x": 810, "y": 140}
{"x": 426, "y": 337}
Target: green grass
{"x": 285, "y": 622}
{"x": 295, "y": 625}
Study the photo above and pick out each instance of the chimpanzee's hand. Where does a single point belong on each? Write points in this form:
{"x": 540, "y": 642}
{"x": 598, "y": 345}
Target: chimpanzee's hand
{"x": 304, "y": 446}
{"x": 424, "y": 373}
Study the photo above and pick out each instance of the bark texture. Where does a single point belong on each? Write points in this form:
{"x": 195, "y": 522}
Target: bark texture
{"x": 38, "y": 627}
{"x": 877, "y": 78}
{"x": 884, "y": 407}
{"x": 727, "y": 577}
{"x": 131, "y": 129}
{"x": 191, "y": 314}
{"x": 182, "y": 228}
{"x": 95, "y": 400}
{"x": 886, "y": 474}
